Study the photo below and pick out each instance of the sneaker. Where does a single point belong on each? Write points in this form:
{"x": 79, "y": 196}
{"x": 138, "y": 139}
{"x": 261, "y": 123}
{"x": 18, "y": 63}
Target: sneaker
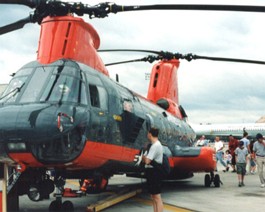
{"x": 243, "y": 184}
{"x": 262, "y": 185}
{"x": 239, "y": 184}
{"x": 234, "y": 170}
{"x": 252, "y": 172}
{"x": 227, "y": 169}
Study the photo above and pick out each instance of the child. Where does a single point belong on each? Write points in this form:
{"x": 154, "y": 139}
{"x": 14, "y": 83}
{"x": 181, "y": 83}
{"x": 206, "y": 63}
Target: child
{"x": 252, "y": 164}
{"x": 241, "y": 153}
{"x": 228, "y": 158}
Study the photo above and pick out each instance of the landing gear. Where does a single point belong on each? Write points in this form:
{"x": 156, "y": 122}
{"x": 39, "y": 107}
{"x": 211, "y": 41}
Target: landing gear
{"x": 58, "y": 205}
{"x": 212, "y": 178}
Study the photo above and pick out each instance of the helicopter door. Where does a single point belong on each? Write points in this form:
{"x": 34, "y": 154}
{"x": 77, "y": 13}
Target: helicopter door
{"x": 99, "y": 118}
{"x": 131, "y": 123}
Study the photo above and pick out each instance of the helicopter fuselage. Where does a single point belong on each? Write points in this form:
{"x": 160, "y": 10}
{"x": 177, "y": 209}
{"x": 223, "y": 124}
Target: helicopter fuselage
{"x": 67, "y": 115}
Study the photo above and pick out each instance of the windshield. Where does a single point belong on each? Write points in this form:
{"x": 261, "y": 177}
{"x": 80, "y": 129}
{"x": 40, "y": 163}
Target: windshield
{"x": 65, "y": 85}
{"x": 51, "y": 83}
{"x": 13, "y": 89}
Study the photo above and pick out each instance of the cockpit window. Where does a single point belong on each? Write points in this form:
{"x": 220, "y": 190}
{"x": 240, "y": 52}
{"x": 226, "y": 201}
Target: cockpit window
{"x": 63, "y": 87}
{"x": 13, "y": 89}
{"x": 35, "y": 85}
{"x": 47, "y": 83}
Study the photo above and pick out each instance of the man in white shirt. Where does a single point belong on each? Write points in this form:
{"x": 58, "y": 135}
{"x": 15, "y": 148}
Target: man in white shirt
{"x": 218, "y": 146}
{"x": 154, "y": 178}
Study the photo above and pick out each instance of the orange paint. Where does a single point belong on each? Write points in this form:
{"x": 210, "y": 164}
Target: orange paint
{"x": 70, "y": 38}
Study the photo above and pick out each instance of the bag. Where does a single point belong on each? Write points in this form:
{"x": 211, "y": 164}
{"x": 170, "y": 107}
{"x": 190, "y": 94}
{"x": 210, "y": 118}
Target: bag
{"x": 163, "y": 168}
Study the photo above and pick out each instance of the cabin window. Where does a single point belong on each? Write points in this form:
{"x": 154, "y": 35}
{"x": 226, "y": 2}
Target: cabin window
{"x": 94, "y": 96}
{"x": 98, "y": 97}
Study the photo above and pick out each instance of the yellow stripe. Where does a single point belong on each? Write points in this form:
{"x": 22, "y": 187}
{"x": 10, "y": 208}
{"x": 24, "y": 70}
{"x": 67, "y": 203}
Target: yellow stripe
{"x": 167, "y": 207}
{"x": 73, "y": 182}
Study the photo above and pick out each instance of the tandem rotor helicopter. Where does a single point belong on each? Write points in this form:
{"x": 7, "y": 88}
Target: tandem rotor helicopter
{"x": 63, "y": 113}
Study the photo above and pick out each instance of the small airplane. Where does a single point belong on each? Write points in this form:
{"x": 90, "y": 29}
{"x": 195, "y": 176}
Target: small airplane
{"x": 63, "y": 113}
{"x": 210, "y": 131}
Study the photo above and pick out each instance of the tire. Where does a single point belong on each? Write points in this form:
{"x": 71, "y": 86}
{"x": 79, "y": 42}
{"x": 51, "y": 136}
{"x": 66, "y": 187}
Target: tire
{"x": 217, "y": 181}
{"x": 67, "y": 206}
{"x": 34, "y": 193}
{"x": 207, "y": 180}
{"x": 55, "y": 206}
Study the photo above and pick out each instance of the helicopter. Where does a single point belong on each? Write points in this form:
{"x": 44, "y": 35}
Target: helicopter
{"x": 63, "y": 112}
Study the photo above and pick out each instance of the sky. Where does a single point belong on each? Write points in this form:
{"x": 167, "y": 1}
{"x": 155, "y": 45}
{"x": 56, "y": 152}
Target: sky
{"x": 210, "y": 92}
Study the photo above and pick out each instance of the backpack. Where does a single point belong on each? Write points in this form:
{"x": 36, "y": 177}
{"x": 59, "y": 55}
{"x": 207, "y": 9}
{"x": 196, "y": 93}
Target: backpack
{"x": 163, "y": 168}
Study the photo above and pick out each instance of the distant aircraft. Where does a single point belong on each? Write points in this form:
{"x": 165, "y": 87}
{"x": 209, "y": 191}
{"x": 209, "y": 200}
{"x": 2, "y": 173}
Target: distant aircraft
{"x": 223, "y": 130}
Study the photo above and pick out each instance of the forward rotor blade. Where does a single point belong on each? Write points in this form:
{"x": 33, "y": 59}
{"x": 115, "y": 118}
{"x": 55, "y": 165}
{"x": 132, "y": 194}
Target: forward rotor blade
{"x": 29, "y": 3}
{"x": 236, "y": 8}
{"x": 16, "y": 25}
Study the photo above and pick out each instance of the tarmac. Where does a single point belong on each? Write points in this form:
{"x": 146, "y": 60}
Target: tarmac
{"x": 182, "y": 196}
{"x": 185, "y": 195}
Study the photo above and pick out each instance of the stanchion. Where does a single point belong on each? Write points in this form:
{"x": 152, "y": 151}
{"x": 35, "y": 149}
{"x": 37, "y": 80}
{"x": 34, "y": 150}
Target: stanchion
{"x": 4, "y": 189}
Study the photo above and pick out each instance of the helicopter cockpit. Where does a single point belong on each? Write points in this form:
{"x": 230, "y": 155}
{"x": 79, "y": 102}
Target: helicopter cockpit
{"x": 45, "y": 84}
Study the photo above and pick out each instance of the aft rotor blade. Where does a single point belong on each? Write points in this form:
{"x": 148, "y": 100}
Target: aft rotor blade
{"x": 195, "y": 57}
{"x": 29, "y": 3}
{"x": 189, "y": 57}
{"x": 128, "y": 50}
{"x": 150, "y": 59}
{"x": 16, "y": 25}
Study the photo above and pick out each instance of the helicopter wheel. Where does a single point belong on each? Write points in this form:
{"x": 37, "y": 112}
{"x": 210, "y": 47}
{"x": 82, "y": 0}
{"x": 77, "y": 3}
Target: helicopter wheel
{"x": 67, "y": 206}
{"x": 55, "y": 205}
{"x": 34, "y": 193}
{"x": 216, "y": 181}
{"x": 207, "y": 180}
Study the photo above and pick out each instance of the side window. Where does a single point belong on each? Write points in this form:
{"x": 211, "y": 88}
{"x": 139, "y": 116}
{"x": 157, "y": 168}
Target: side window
{"x": 94, "y": 96}
{"x": 98, "y": 97}
{"x": 83, "y": 94}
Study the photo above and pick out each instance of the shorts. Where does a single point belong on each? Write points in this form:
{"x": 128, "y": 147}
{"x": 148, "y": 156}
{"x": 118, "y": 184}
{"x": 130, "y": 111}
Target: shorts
{"x": 241, "y": 168}
{"x": 252, "y": 162}
{"x": 154, "y": 181}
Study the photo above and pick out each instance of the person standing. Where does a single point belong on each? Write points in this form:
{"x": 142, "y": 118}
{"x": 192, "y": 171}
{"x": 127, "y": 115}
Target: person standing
{"x": 241, "y": 153}
{"x": 154, "y": 177}
{"x": 232, "y": 145}
{"x": 201, "y": 141}
{"x": 219, "y": 146}
{"x": 253, "y": 164}
{"x": 246, "y": 144}
{"x": 259, "y": 155}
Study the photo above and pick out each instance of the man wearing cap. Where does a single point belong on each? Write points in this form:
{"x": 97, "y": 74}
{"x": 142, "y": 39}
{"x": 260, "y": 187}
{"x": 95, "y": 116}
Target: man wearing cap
{"x": 259, "y": 150}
